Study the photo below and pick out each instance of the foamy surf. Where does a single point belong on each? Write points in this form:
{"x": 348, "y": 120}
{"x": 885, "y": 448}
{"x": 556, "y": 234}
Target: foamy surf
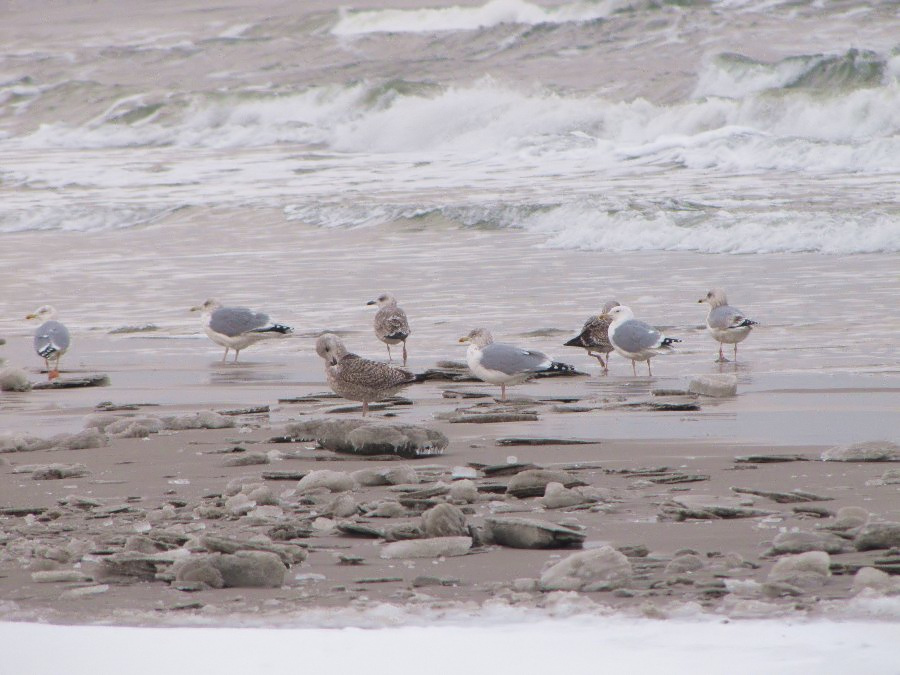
{"x": 461, "y": 18}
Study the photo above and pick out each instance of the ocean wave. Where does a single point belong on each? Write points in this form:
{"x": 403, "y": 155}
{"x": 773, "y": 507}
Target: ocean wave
{"x": 737, "y": 76}
{"x": 461, "y": 18}
{"x": 789, "y": 128}
{"x": 674, "y": 226}
{"x": 73, "y": 218}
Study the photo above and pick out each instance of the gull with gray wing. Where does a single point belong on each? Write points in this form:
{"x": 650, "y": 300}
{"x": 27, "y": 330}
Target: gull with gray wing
{"x": 505, "y": 364}
{"x": 359, "y": 379}
{"x": 635, "y": 339}
{"x": 391, "y": 324}
{"x": 594, "y": 336}
{"x": 51, "y": 339}
{"x": 726, "y": 324}
{"x": 237, "y": 327}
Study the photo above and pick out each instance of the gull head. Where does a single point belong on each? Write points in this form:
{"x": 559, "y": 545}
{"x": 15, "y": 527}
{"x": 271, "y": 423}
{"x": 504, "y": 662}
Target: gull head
{"x": 480, "y": 337}
{"x": 210, "y": 305}
{"x": 621, "y": 313}
{"x": 608, "y": 305}
{"x": 331, "y": 348}
{"x": 44, "y": 312}
{"x": 384, "y": 300}
{"x": 715, "y": 298}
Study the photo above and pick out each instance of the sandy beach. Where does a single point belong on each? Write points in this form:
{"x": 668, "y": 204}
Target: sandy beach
{"x": 806, "y": 381}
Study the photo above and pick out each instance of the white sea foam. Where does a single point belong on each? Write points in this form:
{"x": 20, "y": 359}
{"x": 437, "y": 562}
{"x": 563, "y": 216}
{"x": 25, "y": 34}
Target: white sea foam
{"x": 797, "y": 130}
{"x": 459, "y": 18}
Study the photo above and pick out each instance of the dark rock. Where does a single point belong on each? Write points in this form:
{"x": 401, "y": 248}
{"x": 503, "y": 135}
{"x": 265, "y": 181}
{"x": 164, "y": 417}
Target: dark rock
{"x": 492, "y": 418}
{"x": 74, "y": 382}
{"x": 770, "y": 459}
{"x": 544, "y": 441}
{"x": 526, "y": 533}
{"x": 794, "y": 496}
{"x": 878, "y": 536}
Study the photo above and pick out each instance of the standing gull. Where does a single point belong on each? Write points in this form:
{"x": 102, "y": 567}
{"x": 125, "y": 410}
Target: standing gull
{"x": 237, "y": 327}
{"x": 504, "y": 364}
{"x": 391, "y": 325}
{"x": 726, "y": 324}
{"x": 635, "y": 339}
{"x": 51, "y": 339}
{"x": 356, "y": 378}
{"x": 594, "y": 336}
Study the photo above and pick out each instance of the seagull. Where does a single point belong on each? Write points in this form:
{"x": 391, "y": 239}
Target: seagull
{"x": 635, "y": 339}
{"x": 391, "y": 325}
{"x": 726, "y": 324}
{"x": 504, "y": 364}
{"x": 237, "y": 327}
{"x": 51, "y": 339}
{"x": 594, "y": 336}
{"x": 359, "y": 379}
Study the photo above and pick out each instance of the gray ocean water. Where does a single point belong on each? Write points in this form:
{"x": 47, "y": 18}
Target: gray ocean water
{"x": 730, "y": 126}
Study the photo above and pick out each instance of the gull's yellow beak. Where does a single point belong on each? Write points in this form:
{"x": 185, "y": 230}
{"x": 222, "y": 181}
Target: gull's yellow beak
{"x": 464, "y": 338}
{"x": 196, "y": 309}
{"x": 30, "y": 316}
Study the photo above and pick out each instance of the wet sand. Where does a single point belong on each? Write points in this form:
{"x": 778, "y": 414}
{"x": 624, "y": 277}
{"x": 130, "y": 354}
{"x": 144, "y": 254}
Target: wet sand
{"x": 818, "y": 372}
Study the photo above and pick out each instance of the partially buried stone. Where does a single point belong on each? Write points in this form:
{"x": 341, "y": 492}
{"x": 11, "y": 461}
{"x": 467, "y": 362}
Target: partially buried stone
{"x": 870, "y": 451}
{"x": 14, "y": 379}
{"x": 247, "y": 459}
{"x": 718, "y": 386}
{"x": 805, "y": 570}
{"x": 250, "y": 569}
{"x": 364, "y": 437}
{"x": 198, "y": 569}
{"x": 801, "y": 542}
{"x": 599, "y": 569}
{"x": 59, "y": 471}
{"x": 533, "y": 482}
{"x": 434, "y": 547}
{"x": 83, "y": 440}
{"x": 527, "y": 533}
{"x": 333, "y": 481}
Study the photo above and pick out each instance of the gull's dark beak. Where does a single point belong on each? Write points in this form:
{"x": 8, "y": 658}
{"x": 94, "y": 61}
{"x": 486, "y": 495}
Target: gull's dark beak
{"x": 371, "y": 302}
{"x": 465, "y": 338}
{"x": 701, "y": 300}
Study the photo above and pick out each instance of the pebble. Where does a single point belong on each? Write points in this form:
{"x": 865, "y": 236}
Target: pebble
{"x": 597, "y": 569}
{"x": 14, "y": 379}
{"x": 342, "y": 506}
{"x": 333, "y": 481}
{"x": 557, "y": 496}
{"x": 804, "y": 570}
{"x": 688, "y": 562}
{"x": 463, "y": 491}
{"x": 533, "y": 482}
{"x": 873, "y": 579}
{"x": 434, "y": 547}
{"x": 801, "y": 542}
{"x": 247, "y": 459}
{"x": 444, "y": 520}
{"x": 718, "y": 386}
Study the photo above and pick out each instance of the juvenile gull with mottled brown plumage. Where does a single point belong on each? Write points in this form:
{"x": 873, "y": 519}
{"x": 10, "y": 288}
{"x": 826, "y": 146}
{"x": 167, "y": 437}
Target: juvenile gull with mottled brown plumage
{"x": 356, "y": 378}
{"x": 594, "y": 336}
{"x": 391, "y": 324}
